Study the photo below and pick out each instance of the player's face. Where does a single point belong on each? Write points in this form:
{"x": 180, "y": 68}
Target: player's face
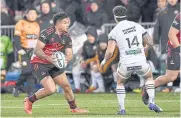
{"x": 172, "y": 2}
{"x": 103, "y": 45}
{"x": 31, "y": 15}
{"x": 162, "y": 3}
{"x": 91, "y": 38}
{"x": 94, "y": 7}
{"x": 63, "y": 25}
{"x": 45, "y": 8}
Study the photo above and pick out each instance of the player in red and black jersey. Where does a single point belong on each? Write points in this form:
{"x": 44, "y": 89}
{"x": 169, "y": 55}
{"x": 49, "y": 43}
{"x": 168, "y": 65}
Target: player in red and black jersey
{"x": 51, "y": 40}
{"x": 173, "y": 57}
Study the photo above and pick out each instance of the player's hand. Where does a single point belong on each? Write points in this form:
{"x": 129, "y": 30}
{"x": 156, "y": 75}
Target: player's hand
{"x": 22, "y": 52}
{"x": 103, "y": 62}
{"x": 83, "y": 64}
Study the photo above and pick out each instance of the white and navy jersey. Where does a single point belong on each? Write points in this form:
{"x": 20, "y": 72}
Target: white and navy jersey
{"x": 128, "y": 36}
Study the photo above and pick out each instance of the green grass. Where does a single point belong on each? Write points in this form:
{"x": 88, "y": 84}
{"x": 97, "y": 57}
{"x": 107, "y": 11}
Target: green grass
{"x": 99, "y": 105}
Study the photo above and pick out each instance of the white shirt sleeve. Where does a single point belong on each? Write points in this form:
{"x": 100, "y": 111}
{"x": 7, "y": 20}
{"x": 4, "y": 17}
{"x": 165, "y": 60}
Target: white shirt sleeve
{"x": 112, "y": 35}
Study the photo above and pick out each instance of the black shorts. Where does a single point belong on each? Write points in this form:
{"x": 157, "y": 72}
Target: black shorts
{"x": 173, "y": 59}
{"x": 41, "y": 71}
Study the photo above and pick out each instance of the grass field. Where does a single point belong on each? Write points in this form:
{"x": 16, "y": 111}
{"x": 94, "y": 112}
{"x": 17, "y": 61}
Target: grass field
{"x": 99, "y": 105}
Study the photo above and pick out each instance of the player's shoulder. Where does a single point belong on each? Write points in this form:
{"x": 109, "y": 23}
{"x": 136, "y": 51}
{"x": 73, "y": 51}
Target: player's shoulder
{"x": 48, "y": 31}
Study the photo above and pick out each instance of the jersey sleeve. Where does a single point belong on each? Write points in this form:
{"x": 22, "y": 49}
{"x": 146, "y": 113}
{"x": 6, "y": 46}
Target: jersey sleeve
{"x": 176, "y": 22}
{"x": 112, "y": 35}
{"x": 142, "y": 29}
{"x": 18, "y": 28}
{"x": 43, "y": 36}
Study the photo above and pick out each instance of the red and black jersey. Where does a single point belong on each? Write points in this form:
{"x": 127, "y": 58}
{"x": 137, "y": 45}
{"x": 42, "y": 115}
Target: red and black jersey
{"x": 53, "y": 42}
{"x": 176, "y": 24}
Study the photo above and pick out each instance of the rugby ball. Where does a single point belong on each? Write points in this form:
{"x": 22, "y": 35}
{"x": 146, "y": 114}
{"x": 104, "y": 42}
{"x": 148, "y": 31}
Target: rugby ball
{"x": 59, "y": 60}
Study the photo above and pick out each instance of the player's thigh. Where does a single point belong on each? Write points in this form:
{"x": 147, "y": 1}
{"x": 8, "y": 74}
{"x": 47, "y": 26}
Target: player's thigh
{"x": 172, "y": 74}
{"x": 48, "y": 84}
{"x": 62, "y": 80}
{"x": 144, "y": 70}
{"x": 123, "y": 71}
{"x": 59, "y": 76}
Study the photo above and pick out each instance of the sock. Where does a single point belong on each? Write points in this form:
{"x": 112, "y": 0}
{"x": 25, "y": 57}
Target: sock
{"x": 115, "y": 76}
{"x": 32, "y": 98}
{"x": 72, "y": 104}
{"x": 99, "y": 80}
{"x": 170, "y": 84}
{"x": 150, "y": 89}
{"x": 94, "y": 84}
{"x": 76, "y": 77}
{"x": 121, "y": 94}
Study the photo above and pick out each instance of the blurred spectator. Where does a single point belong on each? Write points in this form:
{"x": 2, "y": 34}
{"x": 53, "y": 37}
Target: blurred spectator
{"x": 89, "y": 63}
{"x": 164, "y": 22}
{"x": 7, "y": 15}
{"x": 25, "y": 37}
{"x": 97, "y": 16}
{"x": 141, "y": 10}
{"x": 19, "y": 5}
{"x": 6, "y": 54}
{"x": 148, "y": 10}
{"x": 45, "y": 19}
{"x": 161, "y": 4}
{"x": 108, "y": 5}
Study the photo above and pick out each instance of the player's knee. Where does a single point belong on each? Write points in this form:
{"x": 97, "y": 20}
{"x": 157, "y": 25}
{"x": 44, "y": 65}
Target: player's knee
{"x": 67, "y": 88}
{"x": 51, "y": 90}
{"x": 172, "y": 78}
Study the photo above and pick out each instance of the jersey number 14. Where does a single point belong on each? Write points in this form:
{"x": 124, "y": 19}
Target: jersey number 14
{"x": 134, "y": 41}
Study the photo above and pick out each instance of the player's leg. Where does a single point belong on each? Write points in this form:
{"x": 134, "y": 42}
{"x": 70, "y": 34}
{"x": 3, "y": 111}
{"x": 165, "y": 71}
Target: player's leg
{"x": 170, "y": 76}
{"x": 122, "y": 75}
{"x": 62, "y": 81}
{"x": 49, "y": 88}
{"x": 150, "y": 87}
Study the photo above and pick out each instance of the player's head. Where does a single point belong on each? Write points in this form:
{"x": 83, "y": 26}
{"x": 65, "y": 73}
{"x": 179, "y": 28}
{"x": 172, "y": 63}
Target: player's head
{"x": 119, "y": 13}
{"x": 31, "y": 14}
{"x": 61, "y": 21}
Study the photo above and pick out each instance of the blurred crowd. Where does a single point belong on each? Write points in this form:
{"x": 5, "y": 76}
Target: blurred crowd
{"x": 89, "y": 42}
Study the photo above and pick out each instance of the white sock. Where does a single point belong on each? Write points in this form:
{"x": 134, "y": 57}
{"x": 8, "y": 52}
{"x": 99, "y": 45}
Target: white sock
{"x": 121, "y": 94}
{"x": 150, "y": 89}
{"x": 115, "y": 76}
{"x": 99, "y": 80}
{"x": 170, "y": 84}
{"x": 94, "y": 83}
{"x": 76, "y": 77}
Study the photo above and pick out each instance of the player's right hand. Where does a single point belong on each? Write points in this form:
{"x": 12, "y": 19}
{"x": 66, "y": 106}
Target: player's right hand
{"x": 22, "y": 52}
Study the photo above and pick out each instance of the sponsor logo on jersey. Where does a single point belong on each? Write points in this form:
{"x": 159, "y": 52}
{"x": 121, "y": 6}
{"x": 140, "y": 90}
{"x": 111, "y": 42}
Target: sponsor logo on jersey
{"x": 31, "y": 36}
{"x": 129, "y": 30}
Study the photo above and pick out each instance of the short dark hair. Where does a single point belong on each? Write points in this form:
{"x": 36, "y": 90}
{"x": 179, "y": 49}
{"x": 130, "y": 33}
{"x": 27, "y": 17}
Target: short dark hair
{"x": 59, "y": 16}
{"x": 120, "y": 13}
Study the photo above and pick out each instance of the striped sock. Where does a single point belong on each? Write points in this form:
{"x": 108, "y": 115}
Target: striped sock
{"x": 121, "y": 94}
{"x": 150, "y": 89}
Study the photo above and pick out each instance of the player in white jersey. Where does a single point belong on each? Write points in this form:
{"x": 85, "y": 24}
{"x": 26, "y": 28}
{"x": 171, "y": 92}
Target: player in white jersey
{"x": 129, "y": 37}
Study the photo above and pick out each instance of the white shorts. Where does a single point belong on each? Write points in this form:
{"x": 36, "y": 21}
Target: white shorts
{"x": 141, "y": 68}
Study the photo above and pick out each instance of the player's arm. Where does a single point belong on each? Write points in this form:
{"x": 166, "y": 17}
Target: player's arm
{"x": 148, "y": 41}
{"x": 174, "y": 30}
{"x": 110, "y": 50}
{"x": 39, "y": 48}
